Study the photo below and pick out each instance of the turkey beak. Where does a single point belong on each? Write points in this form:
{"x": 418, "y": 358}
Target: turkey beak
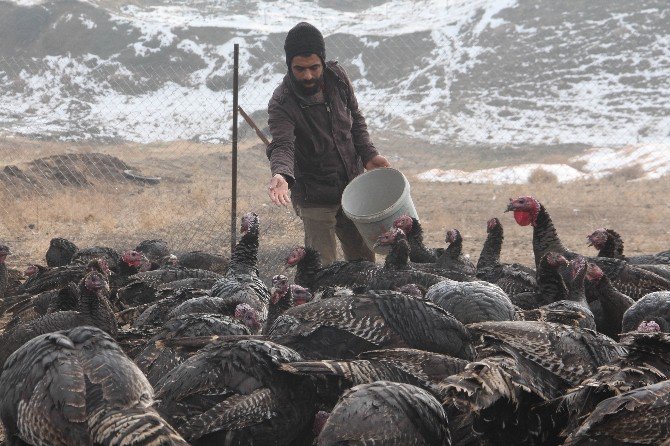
{"x": 510, "y": 207}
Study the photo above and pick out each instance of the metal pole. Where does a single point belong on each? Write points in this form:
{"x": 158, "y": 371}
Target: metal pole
{"x": 233, "y": 205}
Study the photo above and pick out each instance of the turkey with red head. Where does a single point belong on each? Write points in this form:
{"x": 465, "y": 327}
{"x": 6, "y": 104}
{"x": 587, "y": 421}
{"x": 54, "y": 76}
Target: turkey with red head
{"x": 628, "y": 279}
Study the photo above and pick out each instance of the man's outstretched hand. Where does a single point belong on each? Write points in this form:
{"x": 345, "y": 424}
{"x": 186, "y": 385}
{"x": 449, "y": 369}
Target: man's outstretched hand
{"x": 377, "y": 161}
{"x": 278, "y": 190}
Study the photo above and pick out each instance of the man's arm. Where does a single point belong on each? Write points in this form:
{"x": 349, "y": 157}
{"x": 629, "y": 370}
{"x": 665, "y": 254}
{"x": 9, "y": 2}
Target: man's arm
{"x": 280, "y": 152}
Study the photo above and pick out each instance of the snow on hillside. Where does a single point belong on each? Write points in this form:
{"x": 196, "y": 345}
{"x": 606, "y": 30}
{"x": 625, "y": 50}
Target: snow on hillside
{"x": 471, "y": 72}
{"x": 653, "y": 159}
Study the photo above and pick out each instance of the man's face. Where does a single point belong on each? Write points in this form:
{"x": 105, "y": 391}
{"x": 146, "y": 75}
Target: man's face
{"x": 308, "y": 73}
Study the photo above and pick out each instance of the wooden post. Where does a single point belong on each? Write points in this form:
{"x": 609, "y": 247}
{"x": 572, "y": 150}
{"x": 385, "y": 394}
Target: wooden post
{"x": 233, "y": 195}
{"x": 254, "y": 126}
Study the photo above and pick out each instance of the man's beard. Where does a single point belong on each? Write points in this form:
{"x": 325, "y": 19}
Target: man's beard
{"x": 303, "y": 89}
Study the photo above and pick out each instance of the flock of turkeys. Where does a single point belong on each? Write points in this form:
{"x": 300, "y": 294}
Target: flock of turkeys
{"x": 146, "y": 347}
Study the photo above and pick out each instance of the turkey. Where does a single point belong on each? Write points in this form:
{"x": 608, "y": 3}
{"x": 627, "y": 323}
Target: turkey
{"x": 93, "y": 309}
{"x": 360, "y": 274}
{"x": 4, "y": 279}
{"x": 36, "y": 306}
{"x": 155, "y": 251}
{"x": 652, "y": 307}
{"x": 610, "y": 244}
{"x": 520, "y": 365}
{"x": 157, "y": 358}
{"x": 203, "y": 260}
{"x": 241, "y": 282}
{"x": 235, "y": 393}
{"x": 611, "y": 304}
{"x": 646, "y": 362}
{"x": 45, "y": 279}
{"x": 472, "y": 301}
{"x": 628, "y": 279}
{"x": 417, "y": 367}
{"x": 344, "y": 327}
{"x": 230, "y": 306}
{"x": 60, "y": 252}
{"x": 386, "y": 413}
{"x": 280, "y": 299}
{"x": 77, "y": 387}
{"x": 512, "y": 278}
{"x": 110, "y": 255}
{"x": 574, "y": 304}
{"x": 550, "y": 284}
{"x": 418, "y": 251}
{"x": 453, "y": 257}
{"x": 636, "y": 417}
{"x": 157, "y": 313}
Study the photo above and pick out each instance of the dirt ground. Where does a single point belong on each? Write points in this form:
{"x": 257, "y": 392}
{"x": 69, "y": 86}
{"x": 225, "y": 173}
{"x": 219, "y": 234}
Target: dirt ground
{"x": 83, "y": 195}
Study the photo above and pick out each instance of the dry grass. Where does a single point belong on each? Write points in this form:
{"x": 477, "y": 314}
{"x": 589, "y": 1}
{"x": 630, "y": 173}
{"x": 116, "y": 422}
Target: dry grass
{"x": 190, "y": 207}
{"x": 541, "y": 176}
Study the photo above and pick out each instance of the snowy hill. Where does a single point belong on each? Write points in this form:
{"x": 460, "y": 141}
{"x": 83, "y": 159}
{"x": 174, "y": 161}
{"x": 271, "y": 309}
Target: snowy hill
{"x": 456, "y": 72}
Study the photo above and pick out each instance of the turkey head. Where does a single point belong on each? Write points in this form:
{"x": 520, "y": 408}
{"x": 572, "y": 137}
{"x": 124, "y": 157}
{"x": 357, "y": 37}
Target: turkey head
{"x": 296, "y": 255}
{"x": 300, "y": 295}
{"x": 249, "y": 223}
{"x": 279, "y": 288}
{"x": 248, "y": 316}
{"x": 525, "y": 210}
{"x": 492, "y": 224}
{"x": 452, "y": 236}
{"x": 403, "y": 222}
{"x": 390, "y": 237}
{"x": 598, "y": 238}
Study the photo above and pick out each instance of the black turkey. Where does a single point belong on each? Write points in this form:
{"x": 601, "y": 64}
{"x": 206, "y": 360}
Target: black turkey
{"x": 418, "y": 251}
{"x": 235, "y": 393}
{"x": 341, "y": 328}
{"x": 204, "y": 260}
{"x": 37, "y": 306}
{"x": 44, "y": 279}
{"x": 223, "y": 306}
{"x": 395, "y": 272}
{"x": 453, "y": 257}
{"x": 85, "y": 255}
{"x": 646, "y": 362}
{"x": 417, "y": 367}
{"x": 60, "y": 252}
{"x": 155, "y": 250}
{"x": 158, "y": 357}
{"x": 386, "y": 413}
{"x": 610, "y": 244}
{"x": 652, "y": 307}
{"x": 77, "y": 387}
{"x": 550, "y": 284}
{"x": 241, "y": 283}
{"x": 513, "y": 278}
{"x": 157, "y": 313}
{"x": 93, "y": 309}
{"x": 636, "y": 417}
{"x": 611, "y": 304}
{"x": 628, "y": 279}
{"x": 575, "y": 302}
{"x": 520, "y": 364}
{"x": 472, "y": 301}
{"x": 280, "y": 299}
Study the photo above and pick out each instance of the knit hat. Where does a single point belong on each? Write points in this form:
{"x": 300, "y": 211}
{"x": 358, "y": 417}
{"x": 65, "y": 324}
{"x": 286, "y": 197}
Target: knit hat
{"x": 304, "y": 38}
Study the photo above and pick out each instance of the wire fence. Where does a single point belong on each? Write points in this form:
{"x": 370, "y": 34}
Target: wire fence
{"x": 103, "y": 154}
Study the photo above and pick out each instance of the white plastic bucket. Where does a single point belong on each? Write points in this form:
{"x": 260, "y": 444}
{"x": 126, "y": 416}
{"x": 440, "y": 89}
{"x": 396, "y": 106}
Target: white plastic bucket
{"x": 376, "y": 198}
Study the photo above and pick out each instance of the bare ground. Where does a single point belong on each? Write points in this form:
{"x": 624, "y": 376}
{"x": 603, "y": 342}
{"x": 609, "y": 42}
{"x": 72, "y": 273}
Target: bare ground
{"x": 190, "y": 207}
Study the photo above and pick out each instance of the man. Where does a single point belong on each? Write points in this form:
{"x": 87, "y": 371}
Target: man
{"x": 320, "y": 142}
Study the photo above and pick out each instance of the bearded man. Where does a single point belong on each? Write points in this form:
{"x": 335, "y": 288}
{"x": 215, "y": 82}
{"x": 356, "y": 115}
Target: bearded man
{"x": 320, "y": 142}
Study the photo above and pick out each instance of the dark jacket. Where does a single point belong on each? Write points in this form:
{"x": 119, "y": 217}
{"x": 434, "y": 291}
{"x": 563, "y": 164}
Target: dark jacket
{"x": 319, "y": 148}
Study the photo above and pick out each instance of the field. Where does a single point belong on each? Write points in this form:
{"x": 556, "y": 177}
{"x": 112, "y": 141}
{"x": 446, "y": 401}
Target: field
{"x": 190, "y": 207}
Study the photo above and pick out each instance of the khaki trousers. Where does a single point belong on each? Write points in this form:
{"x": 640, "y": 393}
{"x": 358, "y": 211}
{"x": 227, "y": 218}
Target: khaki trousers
{"x": 322, "y": 224}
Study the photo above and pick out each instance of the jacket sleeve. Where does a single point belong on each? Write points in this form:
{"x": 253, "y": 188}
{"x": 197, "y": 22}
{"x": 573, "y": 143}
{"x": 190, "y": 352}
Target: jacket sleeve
{"x": 359, "y": 129}
{"x": 280, "y": 152}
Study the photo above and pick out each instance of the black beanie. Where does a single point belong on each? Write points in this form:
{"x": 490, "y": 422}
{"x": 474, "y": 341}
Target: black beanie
{"x": 304, "y": 38}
